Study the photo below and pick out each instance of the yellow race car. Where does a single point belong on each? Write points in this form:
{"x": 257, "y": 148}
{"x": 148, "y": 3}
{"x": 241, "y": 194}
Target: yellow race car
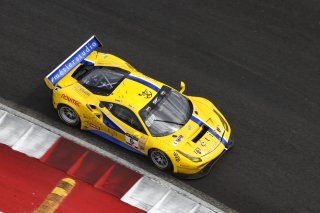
{"x": 103, "y": 94}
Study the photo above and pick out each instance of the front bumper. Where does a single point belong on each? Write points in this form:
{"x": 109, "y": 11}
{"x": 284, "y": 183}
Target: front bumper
{"x": 206, "y": 170}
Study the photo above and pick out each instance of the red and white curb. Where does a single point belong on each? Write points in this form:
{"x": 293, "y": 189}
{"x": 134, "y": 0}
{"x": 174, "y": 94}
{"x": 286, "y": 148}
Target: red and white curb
{"x": 95, "y": 166}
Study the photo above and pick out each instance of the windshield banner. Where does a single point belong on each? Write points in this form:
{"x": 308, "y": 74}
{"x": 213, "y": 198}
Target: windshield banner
{"x": 72, "y": 61}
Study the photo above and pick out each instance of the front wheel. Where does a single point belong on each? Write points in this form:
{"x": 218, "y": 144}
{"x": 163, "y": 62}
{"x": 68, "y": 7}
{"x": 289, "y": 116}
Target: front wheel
{"x": 68, "y": 115}
{"x": 160, "y": 159}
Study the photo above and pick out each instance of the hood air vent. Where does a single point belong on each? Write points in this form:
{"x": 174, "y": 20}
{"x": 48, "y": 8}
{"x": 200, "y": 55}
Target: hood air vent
{"x": 201, "y": 134}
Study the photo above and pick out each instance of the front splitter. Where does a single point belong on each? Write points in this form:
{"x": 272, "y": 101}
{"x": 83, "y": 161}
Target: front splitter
{"x": 206, "y": 170}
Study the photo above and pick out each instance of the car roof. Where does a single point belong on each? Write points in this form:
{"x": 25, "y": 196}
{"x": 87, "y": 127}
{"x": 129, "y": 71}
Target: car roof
{"x": 135, "y": 91}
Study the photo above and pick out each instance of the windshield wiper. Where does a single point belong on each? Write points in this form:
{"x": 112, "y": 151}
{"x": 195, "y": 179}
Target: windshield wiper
{"x": 171, "y": 122}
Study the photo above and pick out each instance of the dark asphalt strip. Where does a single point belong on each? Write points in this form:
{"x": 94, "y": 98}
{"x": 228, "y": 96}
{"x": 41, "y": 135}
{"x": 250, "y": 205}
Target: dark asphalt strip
{"x": 258, "y": 61}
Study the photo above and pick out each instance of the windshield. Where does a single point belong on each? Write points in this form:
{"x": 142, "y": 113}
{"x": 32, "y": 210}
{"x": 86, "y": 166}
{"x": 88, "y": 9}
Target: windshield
{"x": 166, "y": 113}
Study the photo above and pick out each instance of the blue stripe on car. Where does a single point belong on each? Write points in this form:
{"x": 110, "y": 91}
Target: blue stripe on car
{"x": 197, "y": 120}
{"x": 212, "y": 131}
{"x": 109, "y": 123}
{"x": 144, "y": 82}
{"x": 116, "y": 141}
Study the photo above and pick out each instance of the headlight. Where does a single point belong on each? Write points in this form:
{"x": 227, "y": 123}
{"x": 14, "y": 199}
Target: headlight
{"x": 192, "y": 158}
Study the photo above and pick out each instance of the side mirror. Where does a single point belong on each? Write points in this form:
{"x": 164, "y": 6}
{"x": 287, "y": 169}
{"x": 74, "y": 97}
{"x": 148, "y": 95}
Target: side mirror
{"x": 182, "y": 87}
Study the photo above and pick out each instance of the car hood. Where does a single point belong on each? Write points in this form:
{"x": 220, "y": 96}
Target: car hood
{"x": 203, "y": 133}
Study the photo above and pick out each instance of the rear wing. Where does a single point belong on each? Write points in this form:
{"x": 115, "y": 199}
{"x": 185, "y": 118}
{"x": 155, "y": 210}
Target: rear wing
{"x": 72, "y": 61}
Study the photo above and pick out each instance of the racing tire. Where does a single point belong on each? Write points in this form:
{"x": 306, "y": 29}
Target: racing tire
{"x": 68, "y": 115}
{"x": 160, "y": 160}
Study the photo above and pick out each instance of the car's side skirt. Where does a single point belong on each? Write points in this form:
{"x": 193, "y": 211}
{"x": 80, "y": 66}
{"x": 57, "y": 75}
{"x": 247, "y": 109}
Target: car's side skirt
{"x": 112, "y": 139}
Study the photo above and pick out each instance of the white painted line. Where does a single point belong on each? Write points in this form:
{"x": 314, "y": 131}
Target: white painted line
{"x": 201, "y": 209}
{"x": 36, "y": 142}
{"x": 175, "y": 192}
{"x": 174, "y": 203}
{"x": 145, "y": 194}
{"x": 12, "y": 128}
{"x": 195, "y": 209}
{"x": 2, "y": 114}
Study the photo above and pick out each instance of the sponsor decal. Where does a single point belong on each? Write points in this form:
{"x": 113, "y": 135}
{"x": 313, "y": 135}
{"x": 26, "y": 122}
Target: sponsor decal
{"x": 82, "y": 90}
{"x": 146, "y": 94}
{"x": 90, "y": 122}
{"x": 148, "y": 109}
{"x": 112, "y": 132}
{"x": 150, "y": 120}
{"x": 73, "y": 60}
{"x": 176, "y": 156}
{"x": 177, "y": 141}
{"x": 141, "y": 143}
{"x": 197, "y": 151}
{"x": 94, "y": 126}
{"x": 131, "y": 140}
{"x": 214, "y": 146}
{"x": 156, "y": 100}
{"x": 71, "y": 100}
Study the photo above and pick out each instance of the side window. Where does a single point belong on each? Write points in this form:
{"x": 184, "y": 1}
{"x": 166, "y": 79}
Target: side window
{"x": 126, "y": 115}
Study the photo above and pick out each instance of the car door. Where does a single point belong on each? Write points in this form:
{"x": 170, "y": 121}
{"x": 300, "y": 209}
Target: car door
{"x": 133, "y": 135}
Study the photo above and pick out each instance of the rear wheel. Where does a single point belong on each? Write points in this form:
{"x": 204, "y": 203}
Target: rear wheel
{"x": 160, "y": 159}
{"x": 68, "y": 115}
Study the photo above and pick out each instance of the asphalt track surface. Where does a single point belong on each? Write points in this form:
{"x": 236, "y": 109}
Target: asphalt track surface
{"x": 258, "y": 61}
